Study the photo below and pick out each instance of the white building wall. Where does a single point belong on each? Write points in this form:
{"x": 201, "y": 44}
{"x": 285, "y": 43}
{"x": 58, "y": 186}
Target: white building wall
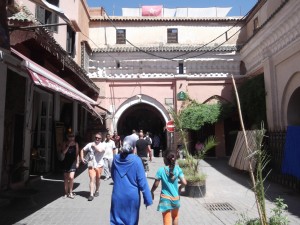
{"x": 59, "y": 36}
{"x": 155, "y": 33}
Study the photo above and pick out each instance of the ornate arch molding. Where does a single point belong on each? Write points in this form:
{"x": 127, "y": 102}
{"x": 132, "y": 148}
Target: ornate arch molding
{"x": 279, "y": 33}
{"x": 138, "y": 99}
{"x": 216, "y": 99}
{"x": 291, "y": 86}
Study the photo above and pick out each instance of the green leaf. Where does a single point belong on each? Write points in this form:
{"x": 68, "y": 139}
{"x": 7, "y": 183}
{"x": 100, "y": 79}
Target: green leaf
{"x": 196, "y": 115}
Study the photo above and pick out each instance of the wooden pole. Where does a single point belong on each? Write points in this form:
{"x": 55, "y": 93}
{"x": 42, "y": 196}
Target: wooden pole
{"x": 262, "y": 220}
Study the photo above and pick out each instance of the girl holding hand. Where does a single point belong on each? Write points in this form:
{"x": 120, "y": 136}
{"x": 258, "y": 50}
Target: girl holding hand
{"x": 169, "y": 202}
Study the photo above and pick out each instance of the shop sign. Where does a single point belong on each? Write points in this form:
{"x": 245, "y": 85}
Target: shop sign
{"x": 181, "y": 96}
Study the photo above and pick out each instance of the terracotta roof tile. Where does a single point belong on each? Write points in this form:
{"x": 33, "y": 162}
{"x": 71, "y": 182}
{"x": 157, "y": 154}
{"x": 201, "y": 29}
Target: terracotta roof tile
{"x": 23, "y": 15}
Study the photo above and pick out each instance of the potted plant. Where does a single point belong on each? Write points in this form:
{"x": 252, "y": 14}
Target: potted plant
{"x": 196, "y": 179}
{"x": 186, "y": 119}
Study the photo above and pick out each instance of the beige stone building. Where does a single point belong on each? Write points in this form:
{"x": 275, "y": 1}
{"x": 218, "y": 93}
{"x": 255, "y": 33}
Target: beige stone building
{"x": 272, "y": 47}
{"x": 156, "y": 57}
{"x": 144, "y": 62}
{"x": 138, "y": 67}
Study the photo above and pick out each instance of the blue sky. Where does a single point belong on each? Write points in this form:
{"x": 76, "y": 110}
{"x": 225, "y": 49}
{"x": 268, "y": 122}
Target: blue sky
{"x": 239, "y": 7}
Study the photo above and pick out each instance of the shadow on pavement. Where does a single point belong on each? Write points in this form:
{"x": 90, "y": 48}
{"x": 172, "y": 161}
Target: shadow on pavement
{"x": 272, "y": 190}
{"x": 36, "y": 195}
{"x": 84, "y": 194}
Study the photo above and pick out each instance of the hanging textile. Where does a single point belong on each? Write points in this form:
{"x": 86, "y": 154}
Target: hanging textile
{"x": 291, "y": 158}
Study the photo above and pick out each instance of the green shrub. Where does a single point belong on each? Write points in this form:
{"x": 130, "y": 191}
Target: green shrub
{"x": 276, "y": 219}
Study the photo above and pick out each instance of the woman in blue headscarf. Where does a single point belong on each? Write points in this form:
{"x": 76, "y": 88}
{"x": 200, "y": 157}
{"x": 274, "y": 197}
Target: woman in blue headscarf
{"x": 129, "y": 180}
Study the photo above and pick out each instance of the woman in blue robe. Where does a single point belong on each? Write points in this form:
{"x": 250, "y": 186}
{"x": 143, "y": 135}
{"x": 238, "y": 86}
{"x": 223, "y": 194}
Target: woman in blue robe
{"x": 129, "y": 180}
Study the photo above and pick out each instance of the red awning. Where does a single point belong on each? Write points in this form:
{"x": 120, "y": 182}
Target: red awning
{"x": 44, "y": 78}
{"x": 40, "y": 80}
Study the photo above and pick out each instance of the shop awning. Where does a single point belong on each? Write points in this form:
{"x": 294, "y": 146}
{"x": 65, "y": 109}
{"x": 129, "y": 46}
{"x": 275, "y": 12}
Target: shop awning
{"x": 93, "y": 112}
{"x": 48, "y": 80}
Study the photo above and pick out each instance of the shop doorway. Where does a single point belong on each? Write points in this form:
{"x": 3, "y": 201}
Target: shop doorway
{"x": 13, "y": 146}
{"x": 42, "y": 122}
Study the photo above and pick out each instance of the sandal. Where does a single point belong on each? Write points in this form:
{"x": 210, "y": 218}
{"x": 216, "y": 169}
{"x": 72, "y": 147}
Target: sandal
{"x": 71, "y": 196}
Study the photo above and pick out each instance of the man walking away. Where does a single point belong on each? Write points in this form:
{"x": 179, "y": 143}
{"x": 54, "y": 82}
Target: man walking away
{"x": 131, "y": 140}
{"x": 148, "y": 138}
{"x": 142, "y": 150}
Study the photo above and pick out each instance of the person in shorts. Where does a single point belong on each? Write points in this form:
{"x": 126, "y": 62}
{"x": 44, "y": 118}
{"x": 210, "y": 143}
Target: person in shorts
{"x": 70, "y": 163}
{"x": 94, "y": 152}
{"x": 169, "y": 175}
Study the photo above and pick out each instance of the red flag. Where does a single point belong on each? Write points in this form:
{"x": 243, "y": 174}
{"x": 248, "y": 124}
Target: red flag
{"x": 152, "y": 10}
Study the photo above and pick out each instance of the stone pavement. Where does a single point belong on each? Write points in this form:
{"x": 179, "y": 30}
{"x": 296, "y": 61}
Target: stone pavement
{"x": 42, "y": 203}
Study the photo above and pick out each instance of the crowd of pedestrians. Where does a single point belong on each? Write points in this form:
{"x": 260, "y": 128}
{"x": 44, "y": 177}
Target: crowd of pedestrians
{"x": 126, "y": 162}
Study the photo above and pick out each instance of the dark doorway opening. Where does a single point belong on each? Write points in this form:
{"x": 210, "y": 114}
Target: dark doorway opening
{"x": 18, "y": 138}
{"x": 201, "y": 135}
{"x": 142, "y": 117}
{"x": 294, "y": 109}
{"x": 231, "y": 129}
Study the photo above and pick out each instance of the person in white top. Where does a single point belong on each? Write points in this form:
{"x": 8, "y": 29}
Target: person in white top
{"x": 134, "y": 133}
{"x": 94, "y": 152}
{"x": 108, "y": 156}
{"x": 131, "y": 139}
{"x": 148, "y": 138}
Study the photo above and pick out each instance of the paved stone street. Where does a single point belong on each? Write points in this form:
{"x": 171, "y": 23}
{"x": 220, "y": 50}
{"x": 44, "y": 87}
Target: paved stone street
{"x": 43, "y": 202}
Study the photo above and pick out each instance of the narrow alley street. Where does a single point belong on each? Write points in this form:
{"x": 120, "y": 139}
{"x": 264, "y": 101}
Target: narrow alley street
{"x": 43, "y": 202}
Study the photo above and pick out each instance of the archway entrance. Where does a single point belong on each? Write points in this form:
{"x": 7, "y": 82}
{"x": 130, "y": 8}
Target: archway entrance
{"x": 294, "y": 109}
{"x": 142, "y": 117}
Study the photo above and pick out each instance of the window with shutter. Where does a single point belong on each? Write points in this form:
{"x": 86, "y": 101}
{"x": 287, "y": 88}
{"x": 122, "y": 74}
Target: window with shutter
{"x": 180, "y": 68}
{"x": 121, "y": 36}
{"x": 85, "y": 56}
{"x": 40, "y": 14}
{"x": 47, "y": 17}
{"x": 172, "y": 35}
{"x": 70, "y": 41}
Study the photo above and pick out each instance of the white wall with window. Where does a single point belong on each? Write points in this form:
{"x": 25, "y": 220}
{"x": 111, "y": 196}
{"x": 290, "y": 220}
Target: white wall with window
{"x": 160, "y": 32}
